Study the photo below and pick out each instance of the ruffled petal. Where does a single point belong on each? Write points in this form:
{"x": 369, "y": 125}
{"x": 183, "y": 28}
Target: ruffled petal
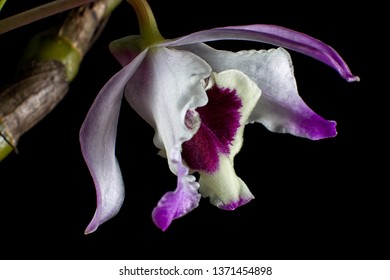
{"x": 165, "y": 87}
{"x": 97, "y": 139}
{"x": 184, "y": 199}
{"x": 280, "y": 108}
{"x": 274, "y": 35}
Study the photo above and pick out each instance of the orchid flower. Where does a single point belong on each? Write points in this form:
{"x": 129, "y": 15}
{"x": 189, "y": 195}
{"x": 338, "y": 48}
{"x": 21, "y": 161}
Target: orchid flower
{"x": 198, "y": 100}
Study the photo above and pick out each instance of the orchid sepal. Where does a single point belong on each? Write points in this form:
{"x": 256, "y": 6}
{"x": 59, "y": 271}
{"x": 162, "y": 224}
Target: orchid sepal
{"x": 97, "y": 139}
{"x": 274, "y": 35}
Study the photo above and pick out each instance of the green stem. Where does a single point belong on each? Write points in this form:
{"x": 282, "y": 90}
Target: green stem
{"x": 2, "y": 2}
{"x": 6, "y": 145}
{"x": 147, "y": 22}
{"x": 38, "y": 13}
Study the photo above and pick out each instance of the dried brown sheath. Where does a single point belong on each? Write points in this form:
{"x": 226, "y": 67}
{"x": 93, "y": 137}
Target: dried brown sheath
{"x": 43, "y": 79}
{"x": 40, "y": 87}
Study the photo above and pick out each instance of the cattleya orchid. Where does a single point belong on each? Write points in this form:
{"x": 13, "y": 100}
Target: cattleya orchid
{"x": 198, "y": 100}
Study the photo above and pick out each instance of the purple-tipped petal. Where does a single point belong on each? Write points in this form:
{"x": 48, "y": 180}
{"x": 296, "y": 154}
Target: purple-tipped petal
{"x": 184, "y": 199}
{"x": 274, "y": 35}
{"x": 280, "y": 107}
{"x": 97, "y": 139}
{"x": 168, "y": 85}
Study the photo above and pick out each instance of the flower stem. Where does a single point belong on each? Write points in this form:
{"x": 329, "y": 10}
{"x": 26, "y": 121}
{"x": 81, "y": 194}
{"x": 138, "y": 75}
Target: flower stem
{"x": 147, "y": 22}
{"x": 38, "y": 13}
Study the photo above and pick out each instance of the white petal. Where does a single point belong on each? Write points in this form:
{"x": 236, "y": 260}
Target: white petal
{"x": 280, "y": 108}
{"x": 166, "y": 85}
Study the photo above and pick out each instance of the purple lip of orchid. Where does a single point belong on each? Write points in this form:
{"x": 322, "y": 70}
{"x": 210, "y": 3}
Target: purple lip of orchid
{"x": 200, "y": 129}
{"x": 219, "y": 123}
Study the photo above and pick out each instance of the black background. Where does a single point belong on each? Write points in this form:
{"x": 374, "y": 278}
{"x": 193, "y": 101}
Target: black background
{"x": 314, "y": 199}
